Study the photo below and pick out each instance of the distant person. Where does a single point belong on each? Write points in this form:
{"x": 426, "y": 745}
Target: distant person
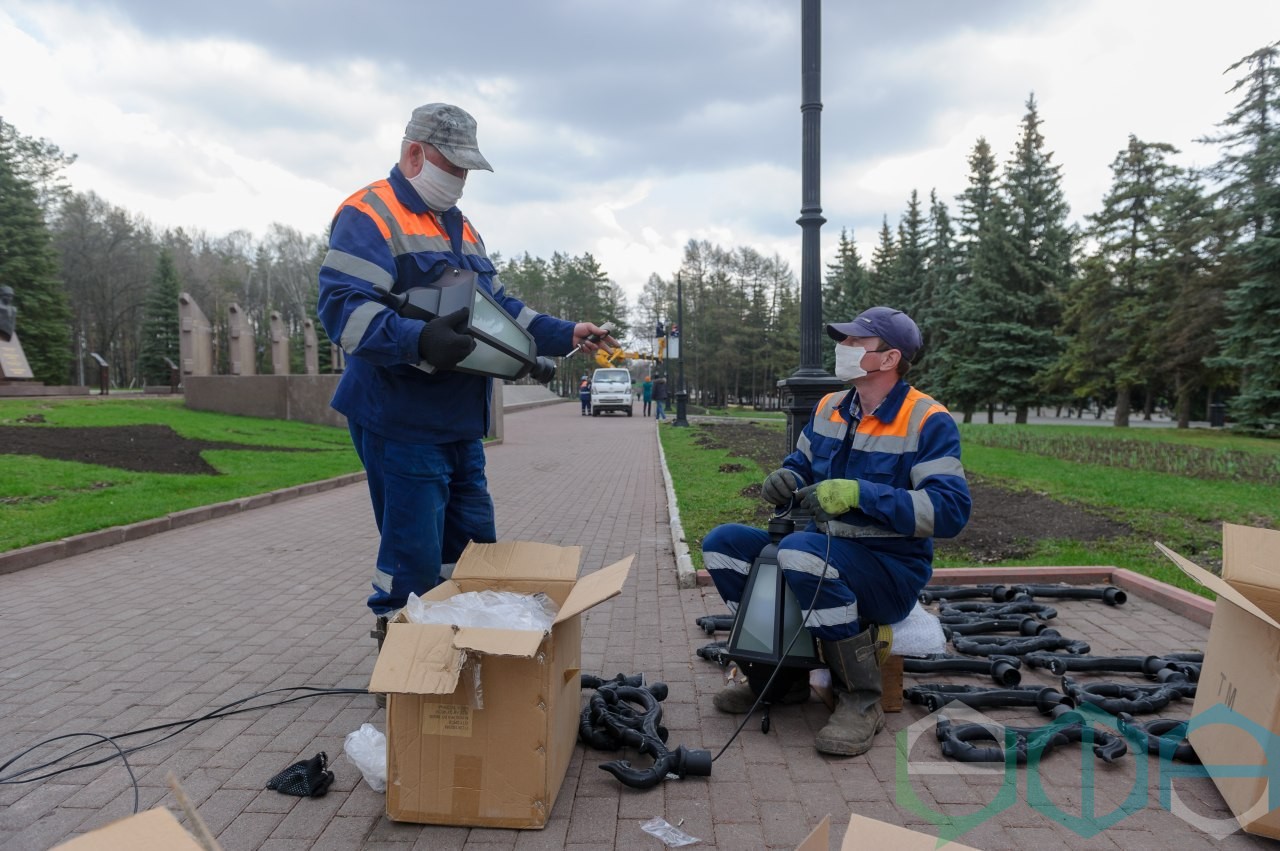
{"x": 416, "y": 423}
{"x": 660, "y": 397}
{"x": 878, "y": 465}
{"x": 646, "y": 395}
{"x": 584, "y": 394}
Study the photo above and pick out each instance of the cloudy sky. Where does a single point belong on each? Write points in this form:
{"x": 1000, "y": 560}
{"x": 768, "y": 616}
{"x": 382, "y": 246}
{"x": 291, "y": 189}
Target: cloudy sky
{"x": 618, "y": 128}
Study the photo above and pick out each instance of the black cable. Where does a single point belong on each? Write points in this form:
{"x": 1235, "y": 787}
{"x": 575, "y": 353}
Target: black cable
{"x": 826, "y": 562}
{"x": 225, "y": 711}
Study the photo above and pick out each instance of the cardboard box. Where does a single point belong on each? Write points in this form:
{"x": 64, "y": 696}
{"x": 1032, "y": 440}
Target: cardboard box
{"x": 872, "y": 835}
{"x": 1241, "y": 675}
{"x": 481, "y": 723}
{"x": 151, "y": 830}
{"x": 890, "y": 685}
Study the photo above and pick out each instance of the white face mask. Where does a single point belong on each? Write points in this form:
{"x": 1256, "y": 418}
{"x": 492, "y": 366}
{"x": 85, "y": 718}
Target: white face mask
{"x": 849, "y": 362}
{"x": 440, "y": 189}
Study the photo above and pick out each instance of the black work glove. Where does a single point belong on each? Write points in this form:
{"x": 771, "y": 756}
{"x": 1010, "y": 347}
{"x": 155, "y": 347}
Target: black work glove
{"x": 307, "y": 779}
{"x": 442, "y": 343}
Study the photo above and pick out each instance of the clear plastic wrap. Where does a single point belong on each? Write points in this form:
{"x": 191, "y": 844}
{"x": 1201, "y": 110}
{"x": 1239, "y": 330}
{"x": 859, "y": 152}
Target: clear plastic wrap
{"x": 670, "y": 835}
{"x": 918, "y": 634}
{"x": 498, "y": 609}
{"x": 367, "y": 749}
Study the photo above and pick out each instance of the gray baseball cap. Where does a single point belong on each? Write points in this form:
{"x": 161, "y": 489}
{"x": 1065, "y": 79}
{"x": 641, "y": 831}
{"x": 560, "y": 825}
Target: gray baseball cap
{"x": 451, "y": 130}
{"x": 893, "y": 326}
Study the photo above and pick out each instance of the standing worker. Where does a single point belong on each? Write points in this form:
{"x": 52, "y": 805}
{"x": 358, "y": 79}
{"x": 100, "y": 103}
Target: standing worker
{"x": 646, "y": 393}
{"x": 419, "y": 433}
{"x": 584, "y": 394}
{"x": 660, "y": 397}
{"x": 878, "y": 465}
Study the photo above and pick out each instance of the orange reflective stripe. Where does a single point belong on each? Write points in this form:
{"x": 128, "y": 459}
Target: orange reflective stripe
{"x": 898, "y": 426}
{"x": 411, "y": 224}
{"x": 468, "y": 235}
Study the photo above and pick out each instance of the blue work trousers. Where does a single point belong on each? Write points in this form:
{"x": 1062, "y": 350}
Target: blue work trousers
{"x": 860, "y": 585}
{"x": 429, "y": 501}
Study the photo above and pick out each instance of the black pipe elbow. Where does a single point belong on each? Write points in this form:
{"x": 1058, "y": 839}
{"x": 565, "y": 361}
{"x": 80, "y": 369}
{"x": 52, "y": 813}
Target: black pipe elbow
{"x": 1004, "y": 670}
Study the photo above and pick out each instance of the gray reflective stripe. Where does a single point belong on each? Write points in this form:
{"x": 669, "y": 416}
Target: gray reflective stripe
{"x": 803, "y": 445}
{"x": 473, "y": 248}
{"x": 924, "y": 513}
{"x": 822, "y": 422}
{"x": 884, "y": 443}
{"x": 836, "y": 616}
{"x": 357, "y": 324}
{"x": 526, "y": 317}
{"x": 446, "y": 570}
{"x": 849, "y": 530}
{"x": 948, "y": 466}
{"x": 733, "y": 606}
{"x": 798, "y": 562}
{"x": 401, "y": 242}
{"x": 358, "y": 267}
{"x": 382, "y": 581}
{"x": 922, "y": 407}
{"x": 720, "y": 561}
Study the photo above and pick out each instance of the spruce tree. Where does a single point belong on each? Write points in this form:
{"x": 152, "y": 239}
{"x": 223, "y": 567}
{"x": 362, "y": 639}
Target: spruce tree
{"x": 1038, "y": 268}
{"x": 907, "y": 283}
{"x": 982, "y": 246}
{"x": 844, "y": 290}
{"x": 1112, "y": 308}
{"x": 884, "y": 261}
{"x": 937, "y": 315}
{"x": 160, "y": 323}
{"x": 28, "y": 264}
{"x": 1250, "y": 170}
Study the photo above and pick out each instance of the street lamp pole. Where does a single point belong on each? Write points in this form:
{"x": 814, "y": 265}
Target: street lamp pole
{"x": 801, "y": 391}
{"x": 682, "y": 395}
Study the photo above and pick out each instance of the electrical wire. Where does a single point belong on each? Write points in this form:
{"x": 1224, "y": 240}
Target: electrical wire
{"x": 224, "y": 711}
{"x": 804, "y": 621}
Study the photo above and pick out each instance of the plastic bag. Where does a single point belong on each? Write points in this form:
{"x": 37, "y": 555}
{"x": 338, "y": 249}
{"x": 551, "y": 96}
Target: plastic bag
{"x": 918, "y": 634}
{"x": 671, "y": 836}
{"x": 498, "y": 609}
{"x": 367, "y": 748}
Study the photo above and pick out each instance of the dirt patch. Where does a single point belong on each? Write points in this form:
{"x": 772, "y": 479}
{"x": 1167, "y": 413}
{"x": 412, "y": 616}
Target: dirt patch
{"x": 1005, "y": 524}
{"x": 142, "y": 448}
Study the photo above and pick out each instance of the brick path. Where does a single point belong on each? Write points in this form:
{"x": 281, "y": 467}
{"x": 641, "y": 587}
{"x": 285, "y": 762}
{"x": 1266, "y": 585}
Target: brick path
{"x": 173, "y": 625}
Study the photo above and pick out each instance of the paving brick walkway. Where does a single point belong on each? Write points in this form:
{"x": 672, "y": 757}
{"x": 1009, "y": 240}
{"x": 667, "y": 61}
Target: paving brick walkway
{"x": 170, "y": 626}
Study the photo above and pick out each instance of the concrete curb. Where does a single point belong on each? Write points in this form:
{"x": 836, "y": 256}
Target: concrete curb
{"x": 38, "y": 554}
{"x": 686, "y": 576}
{"x": 1193, "y": 607}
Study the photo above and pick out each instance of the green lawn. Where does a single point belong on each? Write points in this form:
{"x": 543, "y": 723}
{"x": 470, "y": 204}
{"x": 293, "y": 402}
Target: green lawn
{"x": 1173, "y": 486}
{"x": 44, "y": 500}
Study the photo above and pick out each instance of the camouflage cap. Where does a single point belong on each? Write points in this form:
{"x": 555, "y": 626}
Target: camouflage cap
{"x": 451, "y": 130}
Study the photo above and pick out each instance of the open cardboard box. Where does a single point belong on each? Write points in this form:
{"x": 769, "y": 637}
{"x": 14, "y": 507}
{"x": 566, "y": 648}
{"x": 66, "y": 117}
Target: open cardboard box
{"x": 872, "y": 835}
{"x": 481, "y": 723}
{"x": 1235, "y": 724}
{"x": 150, "y": 830}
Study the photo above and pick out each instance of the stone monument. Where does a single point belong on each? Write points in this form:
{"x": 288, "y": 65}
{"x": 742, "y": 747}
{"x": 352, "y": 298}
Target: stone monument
{"x": 279, "y": 345}
{"x": 310, "y": 351}
{"x": 243, "y": 355}
{"x": 13, "y": 361}
{"x": 195, "y": 339}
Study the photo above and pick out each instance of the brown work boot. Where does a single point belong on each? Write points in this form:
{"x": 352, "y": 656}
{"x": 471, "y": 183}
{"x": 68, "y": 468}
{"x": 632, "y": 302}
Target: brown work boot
{"x": 855, "y": 677}
{"x": 738, "y": 698}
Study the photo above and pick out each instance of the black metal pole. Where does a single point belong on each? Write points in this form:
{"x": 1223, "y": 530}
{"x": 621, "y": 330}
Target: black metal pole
{"x": 810, "y": 382}
{"x": 682, "y": 396}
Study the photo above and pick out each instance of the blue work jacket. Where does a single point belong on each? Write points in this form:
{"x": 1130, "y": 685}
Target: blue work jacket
{"x": 385, "y": 239}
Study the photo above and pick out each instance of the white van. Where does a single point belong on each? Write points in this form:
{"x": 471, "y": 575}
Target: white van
{"x": 611, "y": 391}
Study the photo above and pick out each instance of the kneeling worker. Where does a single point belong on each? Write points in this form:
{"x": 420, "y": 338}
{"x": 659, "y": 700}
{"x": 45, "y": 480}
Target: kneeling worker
{"x": 878, "y": 465}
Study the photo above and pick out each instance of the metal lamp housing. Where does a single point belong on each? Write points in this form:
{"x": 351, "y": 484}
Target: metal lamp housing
{"x": 769, "y": 616}
{"x": 503, "y": 348}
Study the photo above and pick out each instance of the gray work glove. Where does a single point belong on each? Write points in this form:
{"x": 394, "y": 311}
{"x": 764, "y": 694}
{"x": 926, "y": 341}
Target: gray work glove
{"x": 442, "y": 343}
{"x": 780, "y": 487}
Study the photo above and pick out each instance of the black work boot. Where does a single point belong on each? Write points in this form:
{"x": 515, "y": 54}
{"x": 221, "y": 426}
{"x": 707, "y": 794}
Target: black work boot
{"x": 379, "y": 633}
{"x": 855, "y": 677}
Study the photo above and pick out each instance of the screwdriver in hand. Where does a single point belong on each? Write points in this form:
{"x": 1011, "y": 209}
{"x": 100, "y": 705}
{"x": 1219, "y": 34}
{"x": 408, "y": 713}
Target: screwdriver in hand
{"x": 593, "y": 338}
